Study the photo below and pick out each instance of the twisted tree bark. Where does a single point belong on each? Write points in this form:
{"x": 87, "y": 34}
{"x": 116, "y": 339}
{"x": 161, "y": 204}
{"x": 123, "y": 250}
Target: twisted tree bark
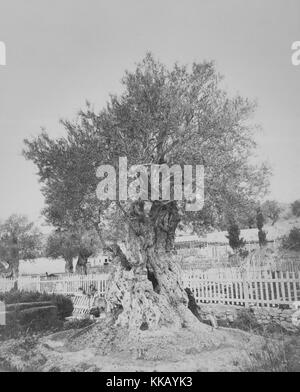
{"x": 69, "y": 266}
{"x": 81, "y": 265}
{"x": 145, "y": 287}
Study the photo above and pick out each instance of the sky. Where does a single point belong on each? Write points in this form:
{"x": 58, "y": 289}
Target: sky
{"x": 61, "y": 53}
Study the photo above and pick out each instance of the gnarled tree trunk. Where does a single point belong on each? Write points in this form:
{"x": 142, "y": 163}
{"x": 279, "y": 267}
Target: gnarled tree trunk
{"x": 81, "y": 265}
{"x": 69, "y": 266}
{"x": 146, "y": 284}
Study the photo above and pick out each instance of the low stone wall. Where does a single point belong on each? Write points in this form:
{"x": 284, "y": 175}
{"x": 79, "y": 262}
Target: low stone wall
{"x": 234, "y": 315}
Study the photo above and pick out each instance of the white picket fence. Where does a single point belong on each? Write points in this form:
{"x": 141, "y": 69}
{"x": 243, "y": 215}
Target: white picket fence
{"x": 64, "y": 284}
{"x": 226, "y": 286}
{"x": 244, "y": 288}
{"x": 6, "y": 284}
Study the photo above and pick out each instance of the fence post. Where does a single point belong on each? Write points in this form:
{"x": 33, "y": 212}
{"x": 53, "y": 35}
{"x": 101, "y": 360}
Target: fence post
{"x": 246, "y": 290}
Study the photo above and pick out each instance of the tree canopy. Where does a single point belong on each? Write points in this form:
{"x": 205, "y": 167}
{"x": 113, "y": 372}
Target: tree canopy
{"x": 19, "y": 240}
{"x": 177, "y": 116}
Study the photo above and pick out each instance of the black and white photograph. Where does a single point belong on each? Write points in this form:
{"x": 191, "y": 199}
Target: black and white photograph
{"x": 150, "y": 188}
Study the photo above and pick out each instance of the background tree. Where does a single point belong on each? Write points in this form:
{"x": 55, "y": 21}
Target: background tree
{"x": 70, "y": 244}
{"x": 19, "y": 240}
{"x": 88, "y": 244}
{"x": 271, "y": 210}
{"x": 177, "y": 116}
{"x": 262, "y": 235}
{"x": 296, "y": 208}
{"x": 62, "y": 244}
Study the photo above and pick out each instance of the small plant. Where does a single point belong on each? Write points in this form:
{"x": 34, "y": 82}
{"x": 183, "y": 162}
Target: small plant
{"x": 262, "y": 235}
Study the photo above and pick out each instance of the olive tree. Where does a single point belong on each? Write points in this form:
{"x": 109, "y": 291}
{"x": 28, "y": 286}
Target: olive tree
{"x": 165, "y": 116}
{"x": 19, "y": 240}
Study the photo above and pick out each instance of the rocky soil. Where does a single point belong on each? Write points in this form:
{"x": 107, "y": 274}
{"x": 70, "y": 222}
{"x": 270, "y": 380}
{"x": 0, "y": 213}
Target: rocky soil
{"x": 97, "y": 348}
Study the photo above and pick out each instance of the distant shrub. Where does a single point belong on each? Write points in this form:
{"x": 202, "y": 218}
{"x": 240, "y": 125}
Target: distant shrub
{"x": 296, "y": 208}
{"x": 260, "y": 220}
{"x": 292, "y": 240}
{"x": 233, "y": 236}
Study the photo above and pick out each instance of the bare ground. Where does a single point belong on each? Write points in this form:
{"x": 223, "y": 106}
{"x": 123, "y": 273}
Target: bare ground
{"x": 98, "y": 348}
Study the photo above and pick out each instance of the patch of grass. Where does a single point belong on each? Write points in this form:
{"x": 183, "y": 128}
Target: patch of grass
{"x": 271, "y": 358}
{"x": 277, "y": 355}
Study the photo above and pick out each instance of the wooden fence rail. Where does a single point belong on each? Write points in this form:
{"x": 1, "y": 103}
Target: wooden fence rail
{"x": 64, "y": 284}
{"x": 226, "y": 286}
{"x": 233, "y": 287}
